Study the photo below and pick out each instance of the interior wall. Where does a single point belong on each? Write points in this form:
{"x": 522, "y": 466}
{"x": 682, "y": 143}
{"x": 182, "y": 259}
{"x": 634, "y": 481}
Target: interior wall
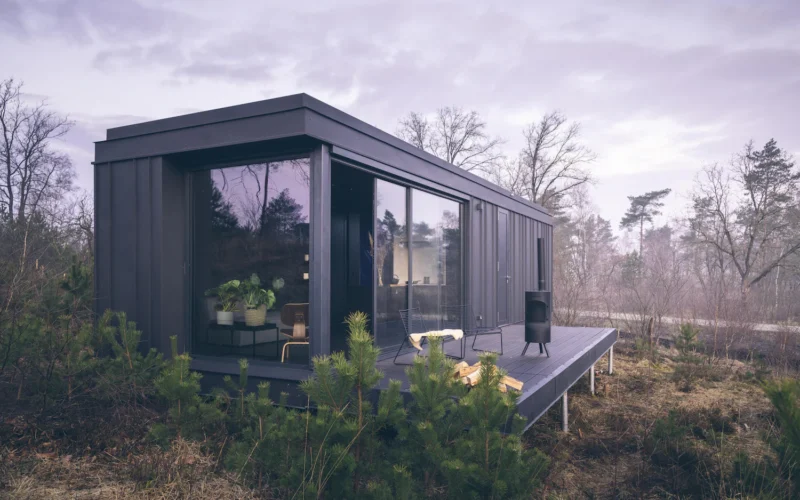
{"x": 351, "y": 254}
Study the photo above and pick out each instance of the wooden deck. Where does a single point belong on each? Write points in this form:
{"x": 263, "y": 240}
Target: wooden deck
{"x": 573, "y": 350}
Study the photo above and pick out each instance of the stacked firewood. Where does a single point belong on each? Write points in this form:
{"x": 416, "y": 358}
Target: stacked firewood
{"x": 471, "y": 374}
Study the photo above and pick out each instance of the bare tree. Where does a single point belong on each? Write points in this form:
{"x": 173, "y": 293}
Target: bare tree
{"x": 84, "y": 222}
{"x": 751, "y": 226}
{"x": 711, "y": 270}
{"x": 456, "y": 136}
{"x": 653, "y": 286}
{"x": 32, "y": 172}
{"x": 552, "y": 162}
{"x": 584, "y": 255}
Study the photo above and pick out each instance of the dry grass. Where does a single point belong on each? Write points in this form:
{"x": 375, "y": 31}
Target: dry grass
{"x": 183, "y": 471}
{"x": 82, "y": 454}
{"x": 607, "y": 453}
{"x": 94, "y": 451}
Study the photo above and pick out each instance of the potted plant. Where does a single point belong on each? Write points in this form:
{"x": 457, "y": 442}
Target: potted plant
{"x": 256, "y": 301}
{"x": 227, "y": 295}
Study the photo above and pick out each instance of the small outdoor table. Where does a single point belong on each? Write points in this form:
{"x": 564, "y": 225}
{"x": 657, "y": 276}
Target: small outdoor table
{"x": 241, "y": 326}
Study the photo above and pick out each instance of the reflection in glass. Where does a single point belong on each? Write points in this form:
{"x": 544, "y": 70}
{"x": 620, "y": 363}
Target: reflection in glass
{"x": 391, "y": 261}
{"x": 250, "y": 219}
{"x": 436, "y": 257}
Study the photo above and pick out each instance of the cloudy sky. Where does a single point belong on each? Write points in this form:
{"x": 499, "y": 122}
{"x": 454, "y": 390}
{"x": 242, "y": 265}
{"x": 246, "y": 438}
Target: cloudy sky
{"x": 660, "y": 87}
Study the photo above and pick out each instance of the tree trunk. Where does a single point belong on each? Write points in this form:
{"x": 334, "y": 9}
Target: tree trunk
{"x": 263, "y": 218}
{"x": 641, "y": 239}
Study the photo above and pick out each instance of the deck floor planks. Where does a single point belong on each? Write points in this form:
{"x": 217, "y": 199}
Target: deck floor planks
{"x": 573, "y": 350}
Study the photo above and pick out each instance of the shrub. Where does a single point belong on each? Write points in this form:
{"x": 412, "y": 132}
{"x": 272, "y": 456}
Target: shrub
{"x": 55, "y": 350}
{"x": 334, "y": 449}
{"x": 785, "y": 397}
{"x": 489, "y": 459}
{"x": 128, "y": 375}
{"x": 669, "y": 443}
{"x": 189, "y": 414}
{"x": 447, "y": 440}
{"x": 643, "y": 349}
{"x": 686, "y": 340}
{"x": 774, "y": 475}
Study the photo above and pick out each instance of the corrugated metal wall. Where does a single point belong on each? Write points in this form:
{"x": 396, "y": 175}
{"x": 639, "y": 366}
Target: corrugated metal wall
{"x": 483, "y": 279}
{"x": 139, "y": 246}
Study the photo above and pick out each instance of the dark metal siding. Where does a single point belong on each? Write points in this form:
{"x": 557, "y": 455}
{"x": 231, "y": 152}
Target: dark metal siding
{"x": 297, "y": 116}
{"x": 320, "y": 277}
{"x": 246, "y": 130}
{"x": 144, "y": 247}
{"x": 123, "y": 236}
{"x": 139, "y": 245}
{"x": 171, "y": 251}
{"x": 102, "y": 250}
{"x": 328, "y": 130}
{"x": 482, "y": 266}
{"x": 141, "y": 209}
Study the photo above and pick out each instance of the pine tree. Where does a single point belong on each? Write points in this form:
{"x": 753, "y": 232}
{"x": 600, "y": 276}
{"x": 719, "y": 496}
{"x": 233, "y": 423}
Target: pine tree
{"x": 189, "y": 414}
{"x": 128, "y": 375}
{"x": 238, "y": 406}
{"x": 433, "y": 427}
{"x": 686, "y": 341}
{"x": 467, "y": 444}
{"x": 490, "y": 460}
{"x": 270, "y": 442}
{"x": 785, "y": 397}
{"x": 643, "y": 208}
{"x": 342, "y": 384}
{"x": 333, "y": 450}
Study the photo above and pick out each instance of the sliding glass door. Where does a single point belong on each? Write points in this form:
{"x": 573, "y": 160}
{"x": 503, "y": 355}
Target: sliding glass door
{"x": 418, "y": 264}
{"x": 436, "y": 257}
{"x": 391, "y": 262}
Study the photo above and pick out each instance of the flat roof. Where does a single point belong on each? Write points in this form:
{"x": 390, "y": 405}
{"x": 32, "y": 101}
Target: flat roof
{"x": 293, "y": 116}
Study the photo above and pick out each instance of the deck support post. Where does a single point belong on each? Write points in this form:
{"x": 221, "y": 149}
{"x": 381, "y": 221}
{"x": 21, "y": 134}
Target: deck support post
{"x": 565, "y": 412}
{"x": 611, "y": 360}
{"x": 591, "y": 378}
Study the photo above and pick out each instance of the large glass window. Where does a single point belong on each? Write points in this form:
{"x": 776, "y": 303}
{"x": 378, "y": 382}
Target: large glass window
{"x": 436, "y": 259}
{"x": 391, "y": 261}
{"x": 433, "y": 258}
{"x": 252, "y": 219}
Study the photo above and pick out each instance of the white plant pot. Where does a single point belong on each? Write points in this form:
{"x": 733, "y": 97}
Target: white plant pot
{"x": 224, "y": 317}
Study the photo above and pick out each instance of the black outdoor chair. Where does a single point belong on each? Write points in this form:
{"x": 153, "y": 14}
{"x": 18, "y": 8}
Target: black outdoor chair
{"x": 414, "y": 322}
{"x": 463, "y": 317}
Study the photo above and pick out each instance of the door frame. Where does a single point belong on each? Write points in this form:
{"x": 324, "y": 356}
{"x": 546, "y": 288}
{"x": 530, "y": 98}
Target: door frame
{"x": 504, "y": 318}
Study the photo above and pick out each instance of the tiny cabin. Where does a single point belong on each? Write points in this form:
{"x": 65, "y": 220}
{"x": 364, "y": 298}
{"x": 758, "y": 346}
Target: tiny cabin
{"x": 344, "y": 216}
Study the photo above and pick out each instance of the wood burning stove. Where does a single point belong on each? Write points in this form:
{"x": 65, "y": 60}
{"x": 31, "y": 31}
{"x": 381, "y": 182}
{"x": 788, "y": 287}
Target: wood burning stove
{"x": 538, "y": 309}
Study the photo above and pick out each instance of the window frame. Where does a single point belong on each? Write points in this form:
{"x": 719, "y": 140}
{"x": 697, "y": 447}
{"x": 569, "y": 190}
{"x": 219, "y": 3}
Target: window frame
{"x": 383, "y": 172}
{"x": 189, "y": 241}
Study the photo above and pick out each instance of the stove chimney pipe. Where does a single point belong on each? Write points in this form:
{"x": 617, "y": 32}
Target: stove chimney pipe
{"x": 540, "y": 262}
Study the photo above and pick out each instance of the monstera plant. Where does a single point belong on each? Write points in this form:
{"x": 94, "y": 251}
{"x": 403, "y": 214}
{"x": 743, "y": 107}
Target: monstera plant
{"x": 227, "y": 295}
{"x": 256, "y": 301}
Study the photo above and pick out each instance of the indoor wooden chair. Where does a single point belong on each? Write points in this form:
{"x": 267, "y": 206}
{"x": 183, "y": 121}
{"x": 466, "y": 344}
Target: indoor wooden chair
{"x": 295, "y": 316}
